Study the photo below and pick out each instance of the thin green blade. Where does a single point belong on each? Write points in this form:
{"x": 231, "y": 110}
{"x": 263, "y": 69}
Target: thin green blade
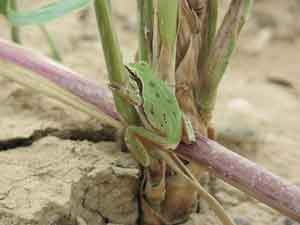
{"x": 54, "y": 50}
{"x": 3, "y": 7}
{"x": 45, "y": 14}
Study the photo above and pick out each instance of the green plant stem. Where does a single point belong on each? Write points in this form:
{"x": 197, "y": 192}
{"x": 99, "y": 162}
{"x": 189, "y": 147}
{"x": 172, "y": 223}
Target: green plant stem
{"x": 212, "y": 20}
{"x": 113, "y": 58}
{"x": 15, "y": 31}
{"x": 210, "y": 32}
{"x": 167, "y": 19}
{"x": 145, "y": 18}
{"x": 167, "y": 11}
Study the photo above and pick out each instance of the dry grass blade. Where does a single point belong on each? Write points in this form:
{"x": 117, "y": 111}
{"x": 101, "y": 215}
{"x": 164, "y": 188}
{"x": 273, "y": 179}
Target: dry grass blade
{"x": 220, "y": 52}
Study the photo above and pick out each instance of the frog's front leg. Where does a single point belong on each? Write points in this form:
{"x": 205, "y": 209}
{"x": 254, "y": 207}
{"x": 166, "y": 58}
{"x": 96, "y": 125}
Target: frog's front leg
{"x": 131, "y": 94}
{"x": 136, "y": 139}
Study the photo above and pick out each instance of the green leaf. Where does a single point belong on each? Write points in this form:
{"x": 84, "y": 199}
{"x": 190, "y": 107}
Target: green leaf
{"x": 45, "y": 14}
{"x": 54, "y": 50}
{"x": 3, "y": 7}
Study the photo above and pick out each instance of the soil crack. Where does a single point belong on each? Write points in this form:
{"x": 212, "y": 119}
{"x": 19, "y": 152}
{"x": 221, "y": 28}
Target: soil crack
{"x": 91, "y": 135}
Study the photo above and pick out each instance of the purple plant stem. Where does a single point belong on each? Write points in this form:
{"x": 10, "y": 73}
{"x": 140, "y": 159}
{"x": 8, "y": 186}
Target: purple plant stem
{"x": 89, "y": 91}
{"x": 245, "y": 175}
{"x": 227, "y": 165}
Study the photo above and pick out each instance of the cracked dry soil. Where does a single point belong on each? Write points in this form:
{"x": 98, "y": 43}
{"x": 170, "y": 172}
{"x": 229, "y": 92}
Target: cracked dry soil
{"x": 60, "y": 167}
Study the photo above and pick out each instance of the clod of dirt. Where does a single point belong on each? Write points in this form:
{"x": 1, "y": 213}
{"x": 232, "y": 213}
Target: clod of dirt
{"x": 47, "y": 182}
{"x": 98, "y": 198}
{"x": 23, "y": 112}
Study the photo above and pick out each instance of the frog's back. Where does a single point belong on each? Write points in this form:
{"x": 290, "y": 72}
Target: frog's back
{"x": 160, "y": 105}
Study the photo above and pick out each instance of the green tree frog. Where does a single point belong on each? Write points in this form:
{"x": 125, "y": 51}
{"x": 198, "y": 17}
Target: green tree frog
{"x": 162, "y": 121}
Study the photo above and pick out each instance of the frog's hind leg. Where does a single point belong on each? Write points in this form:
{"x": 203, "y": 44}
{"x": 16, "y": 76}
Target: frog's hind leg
{"x": 137, "y": 148}
{"x": 134, "y": 136}
{"x": 136, "y": 139}
{"x": 157, "y": 139}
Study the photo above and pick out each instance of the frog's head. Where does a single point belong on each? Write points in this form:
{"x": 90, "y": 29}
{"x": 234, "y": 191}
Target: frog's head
{"x": 139, "y": 68}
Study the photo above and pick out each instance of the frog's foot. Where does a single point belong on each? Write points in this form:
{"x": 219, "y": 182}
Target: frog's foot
{"x": 155, "y": 183}
{"x": 136, "y": 147}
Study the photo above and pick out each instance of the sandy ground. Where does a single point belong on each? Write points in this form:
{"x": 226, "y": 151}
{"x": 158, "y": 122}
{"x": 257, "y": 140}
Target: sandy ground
{"x": 257, "y": 111}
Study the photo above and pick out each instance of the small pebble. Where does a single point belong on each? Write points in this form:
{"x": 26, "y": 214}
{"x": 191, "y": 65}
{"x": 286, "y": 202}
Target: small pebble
{"x": 241, "y": 221}
{"x": 288, "y": 222}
